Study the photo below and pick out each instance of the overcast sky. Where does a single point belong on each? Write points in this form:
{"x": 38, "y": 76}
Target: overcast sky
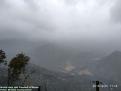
{"x": 67, "y": 21}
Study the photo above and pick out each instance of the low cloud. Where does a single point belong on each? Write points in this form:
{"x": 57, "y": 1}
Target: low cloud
{"x": 64, "y": 22}
{"x": 116, "y": 11}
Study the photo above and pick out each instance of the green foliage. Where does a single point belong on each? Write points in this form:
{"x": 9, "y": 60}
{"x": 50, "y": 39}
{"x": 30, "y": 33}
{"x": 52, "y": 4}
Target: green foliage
{"x": 17, "y": 65}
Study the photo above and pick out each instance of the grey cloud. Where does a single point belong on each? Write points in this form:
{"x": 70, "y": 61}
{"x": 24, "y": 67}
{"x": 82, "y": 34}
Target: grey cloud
{"x": 23, "y": 19}
{"x": 3, "y": 4}
{"x": 32, "y": 4}
{"x": 83, "y": 27}
{"x": 116, "y": 11}
{"x": 58, "y": 22}
{"x": 72, "y": 2}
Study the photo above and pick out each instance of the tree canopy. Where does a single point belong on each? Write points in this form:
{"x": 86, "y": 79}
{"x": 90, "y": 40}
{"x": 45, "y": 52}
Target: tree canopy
{"x": 2, "y": 56}
{"x": 17, "y": 65}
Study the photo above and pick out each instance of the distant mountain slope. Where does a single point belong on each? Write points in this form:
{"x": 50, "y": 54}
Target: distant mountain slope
{"x": 47, "y": 54}
{"x": 55, "y": 81}
{"x": 54, "y": 56}
{"x": 110, "y": 66}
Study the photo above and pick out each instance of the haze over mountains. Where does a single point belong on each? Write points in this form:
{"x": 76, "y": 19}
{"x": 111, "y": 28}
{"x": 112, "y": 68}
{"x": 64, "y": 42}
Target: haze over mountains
{"x": 105, "y": 70}
{"x": 51, "y": 55}
{"x": 59, "y": 58}
{"x": 78, "y": 39}
{"x": 48, "y": 54}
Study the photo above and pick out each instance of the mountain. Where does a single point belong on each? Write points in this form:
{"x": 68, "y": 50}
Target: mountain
{"x": 106, "y": 69}
{"x": 81, "y": 69}
{"x": 55, "y": 81}
{"x": 47, "y": 54}
{"x": 110, "y": 66}
{"x": 54, "y": 57}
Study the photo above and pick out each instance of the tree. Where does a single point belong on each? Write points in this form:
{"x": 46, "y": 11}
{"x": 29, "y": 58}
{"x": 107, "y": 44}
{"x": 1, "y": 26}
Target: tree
{"x": 17, "y": 66}
{"x": 2, "y": 56}
{"x": 2, "y": 59}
